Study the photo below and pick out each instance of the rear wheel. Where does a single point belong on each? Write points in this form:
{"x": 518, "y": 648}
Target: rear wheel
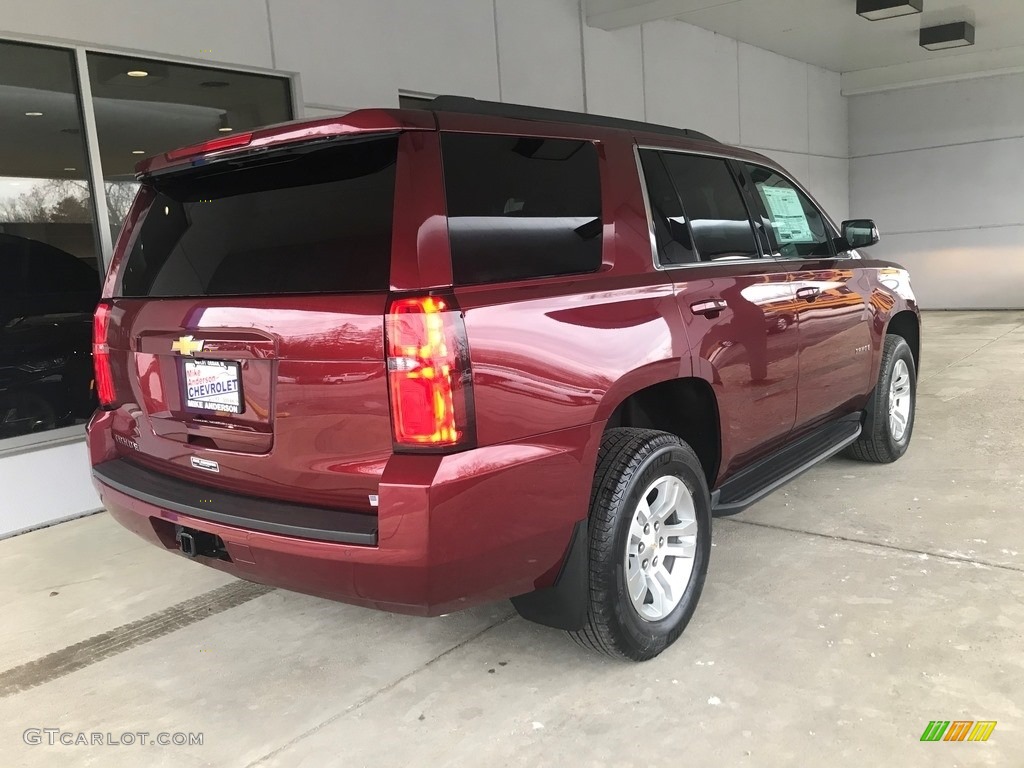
{"x": 650, "y": 541}
{"x": 889, "y": 420}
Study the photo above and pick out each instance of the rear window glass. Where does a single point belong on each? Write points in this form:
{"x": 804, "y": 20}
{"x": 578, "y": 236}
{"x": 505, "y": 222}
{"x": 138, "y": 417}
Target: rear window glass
{"x": 521, "y": 207}
{"x": 308, "y": 220}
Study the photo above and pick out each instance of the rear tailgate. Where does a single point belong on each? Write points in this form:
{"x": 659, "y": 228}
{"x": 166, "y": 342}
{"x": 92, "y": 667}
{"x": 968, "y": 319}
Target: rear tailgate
{"x": 246, "y": 327}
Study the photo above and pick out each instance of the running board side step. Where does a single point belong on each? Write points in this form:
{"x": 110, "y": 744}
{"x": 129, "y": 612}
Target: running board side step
{"x": 773, "y": 471}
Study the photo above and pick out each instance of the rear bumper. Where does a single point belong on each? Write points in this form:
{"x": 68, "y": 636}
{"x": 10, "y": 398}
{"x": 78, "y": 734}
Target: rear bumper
{"x": 451, "y": 531}
{"x": 234, "y": 509}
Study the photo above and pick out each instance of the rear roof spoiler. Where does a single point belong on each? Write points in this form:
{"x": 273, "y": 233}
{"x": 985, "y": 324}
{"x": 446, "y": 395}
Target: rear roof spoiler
{"x": 366, "y": 121}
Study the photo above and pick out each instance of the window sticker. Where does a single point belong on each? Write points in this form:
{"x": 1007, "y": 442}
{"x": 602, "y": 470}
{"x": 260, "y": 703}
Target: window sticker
{"x": 788, "y": 217}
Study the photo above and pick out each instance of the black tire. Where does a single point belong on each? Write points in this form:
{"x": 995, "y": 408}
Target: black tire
{"x": 629, "y": 461}
{"x": 877, "y": 442}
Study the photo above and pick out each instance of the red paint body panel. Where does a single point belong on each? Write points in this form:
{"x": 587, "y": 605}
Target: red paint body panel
{"x": 551, "y": 361}
{"x": 454, "y": 530}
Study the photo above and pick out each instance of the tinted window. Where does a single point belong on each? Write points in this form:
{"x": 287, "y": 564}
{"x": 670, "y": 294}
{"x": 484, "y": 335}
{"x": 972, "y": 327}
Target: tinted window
{"x": 304, "y": 221}
{"x": 797, "y": 226}
{"x": 671, "y": 232}
{"x": 521, "y": 207}
{"x": 713, "y": 205}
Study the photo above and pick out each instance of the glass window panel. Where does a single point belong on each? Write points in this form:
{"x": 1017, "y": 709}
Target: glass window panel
{"x": 313, "y": 221}
{"x": 49, "y": 284}
{"x": 521, "y": 207}
{"x": 798, "y": 228}
{"x": 671, "y": 232}
{"x": 714, "y": 207}
{"x": 146, "y": 107}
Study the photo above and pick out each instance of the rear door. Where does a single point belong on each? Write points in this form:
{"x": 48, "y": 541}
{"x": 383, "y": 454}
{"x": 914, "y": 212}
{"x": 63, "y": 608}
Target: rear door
{"x": 831, "y": 307}
{"x": 733, "y": 301}
{"x": 247, "y": 322}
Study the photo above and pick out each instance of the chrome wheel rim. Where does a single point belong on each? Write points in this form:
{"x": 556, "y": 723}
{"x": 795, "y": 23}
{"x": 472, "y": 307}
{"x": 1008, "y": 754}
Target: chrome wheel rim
{"x": 899, "y": 400}
{"x": 661, "y": 548}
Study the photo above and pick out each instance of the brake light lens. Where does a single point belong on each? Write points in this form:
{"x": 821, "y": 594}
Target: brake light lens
{"x": 428, "y": 374}
{"x": 101, "y": 356}
{"x": 213, "y": 145}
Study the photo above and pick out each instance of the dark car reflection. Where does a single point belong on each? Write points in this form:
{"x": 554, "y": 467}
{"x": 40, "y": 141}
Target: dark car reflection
{"x": 47, "y": 297}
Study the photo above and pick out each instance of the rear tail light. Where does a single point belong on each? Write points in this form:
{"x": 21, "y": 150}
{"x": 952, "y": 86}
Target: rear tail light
{"x": 101, "y": 356}
{"x": 429, "y": 374}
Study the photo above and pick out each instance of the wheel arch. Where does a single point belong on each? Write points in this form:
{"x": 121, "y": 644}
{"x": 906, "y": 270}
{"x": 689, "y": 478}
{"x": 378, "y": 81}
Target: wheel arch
{"x": 907, "y": 324}
{"x": 682, "y": 406}
{"x": 655, "y": 397}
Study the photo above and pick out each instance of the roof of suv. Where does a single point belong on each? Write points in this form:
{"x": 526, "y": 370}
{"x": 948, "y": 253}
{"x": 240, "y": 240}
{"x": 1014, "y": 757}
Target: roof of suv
{"x": 427, "y": 118}
{"x": 466, "y": 105}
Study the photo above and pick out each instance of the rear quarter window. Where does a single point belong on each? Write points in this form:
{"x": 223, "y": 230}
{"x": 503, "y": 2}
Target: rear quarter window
{"x": 521, "y": 207}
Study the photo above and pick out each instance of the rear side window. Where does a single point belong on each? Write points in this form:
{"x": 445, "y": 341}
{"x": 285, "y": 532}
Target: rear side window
{"x": 671, "y": 232}
{"x": 311, "y": 219}
{"x": 521, "y": 207}
{"x": 713, "y": 205}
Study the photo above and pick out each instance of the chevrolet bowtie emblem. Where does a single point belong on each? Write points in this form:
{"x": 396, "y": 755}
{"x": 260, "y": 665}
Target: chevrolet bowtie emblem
{"x": 187, "y": 346}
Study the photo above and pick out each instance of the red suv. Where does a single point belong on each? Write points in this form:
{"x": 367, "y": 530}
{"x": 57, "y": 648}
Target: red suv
{"x": 419, "y": 360}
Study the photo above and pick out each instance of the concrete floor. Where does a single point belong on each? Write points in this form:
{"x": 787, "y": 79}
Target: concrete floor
{"x": 840, "y": 616}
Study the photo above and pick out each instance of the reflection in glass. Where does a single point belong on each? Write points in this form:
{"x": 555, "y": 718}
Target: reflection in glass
{"x": 171, "y": 105}
{"x": 521, "y": 207}
{"x": 49, "y": 282}
{"x": 713, "y": 205}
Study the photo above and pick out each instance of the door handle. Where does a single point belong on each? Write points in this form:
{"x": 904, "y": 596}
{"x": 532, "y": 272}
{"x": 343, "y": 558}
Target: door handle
{"x": 710, "y": 307}
{"x": 810, "y": 293}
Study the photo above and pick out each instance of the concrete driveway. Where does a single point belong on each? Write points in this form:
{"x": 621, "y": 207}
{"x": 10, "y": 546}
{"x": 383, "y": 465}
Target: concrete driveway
{"x": 841, "y": 615}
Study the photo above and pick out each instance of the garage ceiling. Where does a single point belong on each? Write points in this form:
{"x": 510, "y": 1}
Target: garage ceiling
{"x": 873, "y": 55}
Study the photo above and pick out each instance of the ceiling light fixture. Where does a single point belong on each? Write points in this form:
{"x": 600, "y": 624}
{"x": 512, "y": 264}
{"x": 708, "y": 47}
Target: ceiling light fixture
{"x": 955, "y": 35}
{"x": 225, "y": 129}
{"x": 875, "y": 10}
{"x": 70, "y": 169}
{"x": 138, "y": 151}
{"x": 33, "y": 114}
{"x": 137, "y": 73}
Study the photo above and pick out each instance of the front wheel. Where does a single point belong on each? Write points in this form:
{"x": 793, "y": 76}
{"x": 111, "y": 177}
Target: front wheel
{"x": 650, "y": 541}
{"x": 889, "y": 420}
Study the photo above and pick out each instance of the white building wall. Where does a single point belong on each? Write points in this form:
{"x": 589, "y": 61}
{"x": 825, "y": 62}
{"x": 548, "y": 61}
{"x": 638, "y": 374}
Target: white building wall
{"x": 936, "y": 166}
{"x": 224, "y": 31}
{"x": 791, "y": 111}
{"x": 361, "y": 53}
{"x": 44, "y": 486}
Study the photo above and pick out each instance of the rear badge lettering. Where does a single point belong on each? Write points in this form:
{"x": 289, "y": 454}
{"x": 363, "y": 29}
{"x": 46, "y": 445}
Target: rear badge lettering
{"x": 126, "y": 442}
{"x": 207, "y": 464}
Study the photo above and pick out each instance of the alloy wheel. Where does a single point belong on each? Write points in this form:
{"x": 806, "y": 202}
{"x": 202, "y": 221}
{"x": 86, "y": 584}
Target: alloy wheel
{"x": 660, "y": 551}
{"x": 899, "y": 400}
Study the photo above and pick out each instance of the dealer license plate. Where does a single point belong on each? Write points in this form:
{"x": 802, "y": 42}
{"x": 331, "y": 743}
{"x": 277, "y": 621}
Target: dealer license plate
{"x": 213, "y": 385}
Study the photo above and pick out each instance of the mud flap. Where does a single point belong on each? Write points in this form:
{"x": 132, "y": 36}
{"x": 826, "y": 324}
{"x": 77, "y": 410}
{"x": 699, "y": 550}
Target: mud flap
{"x": 563, "y": 605}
